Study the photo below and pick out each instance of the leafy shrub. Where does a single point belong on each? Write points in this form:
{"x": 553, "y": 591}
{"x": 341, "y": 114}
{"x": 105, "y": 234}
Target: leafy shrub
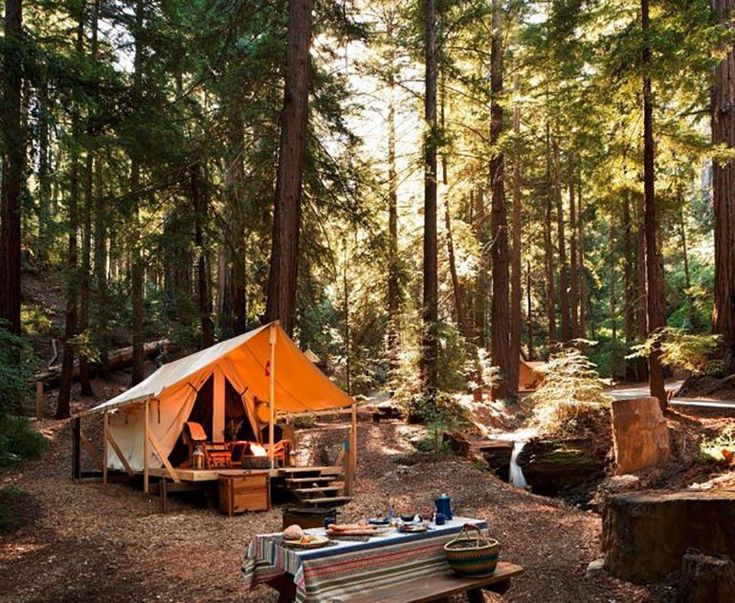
{"x": 441, "y": 413}
{"x": 14, "y": 360}
{"x": 18, "y": 441}
{"x": 681, "y": 350}
{"x": 570, "y": 401}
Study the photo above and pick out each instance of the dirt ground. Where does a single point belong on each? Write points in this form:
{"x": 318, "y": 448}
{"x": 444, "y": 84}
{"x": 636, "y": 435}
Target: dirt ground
{"x": 95, "y": 543}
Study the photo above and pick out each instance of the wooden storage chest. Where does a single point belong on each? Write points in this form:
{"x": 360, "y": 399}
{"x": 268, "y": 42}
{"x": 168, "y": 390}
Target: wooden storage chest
{"x": 239, "y": 493}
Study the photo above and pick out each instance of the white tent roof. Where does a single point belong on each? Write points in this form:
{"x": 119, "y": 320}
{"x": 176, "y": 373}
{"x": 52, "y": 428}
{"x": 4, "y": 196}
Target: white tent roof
{"x": 299, "y": 384}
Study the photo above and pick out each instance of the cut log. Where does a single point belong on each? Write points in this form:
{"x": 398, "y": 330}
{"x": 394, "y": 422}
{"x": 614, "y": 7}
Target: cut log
{"x": 706, "y": 579}
{"x": 640, "y": 434}
{"x": 645, "y": 534}
{"x": 117, "y": 359}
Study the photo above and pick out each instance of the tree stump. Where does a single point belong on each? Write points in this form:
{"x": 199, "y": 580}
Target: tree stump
{"x": 640, "y": 434}
{"x": 645, "y": 534}
{"x": 706, "y": 579}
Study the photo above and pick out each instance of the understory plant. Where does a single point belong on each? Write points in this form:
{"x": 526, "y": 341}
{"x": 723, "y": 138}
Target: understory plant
{"x": 681, "y": 350}
{"x": 570, "y": 401}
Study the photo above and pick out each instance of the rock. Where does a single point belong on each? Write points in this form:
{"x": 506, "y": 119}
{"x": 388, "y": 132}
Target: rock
{"x": 640, "y": 434}
{"x": 595, "y": 566}
{"x": 645, "y": 534}
{"x": 706, "y": 579}
{"x": 621, "y": 483}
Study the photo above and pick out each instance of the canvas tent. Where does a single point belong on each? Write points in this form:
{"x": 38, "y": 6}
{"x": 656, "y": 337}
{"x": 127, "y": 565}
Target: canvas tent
{"x": 261, "y": 369}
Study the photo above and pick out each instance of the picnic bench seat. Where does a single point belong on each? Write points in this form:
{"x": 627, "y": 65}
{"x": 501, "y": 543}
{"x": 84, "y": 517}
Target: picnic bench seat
{"x": 442, "y": 586}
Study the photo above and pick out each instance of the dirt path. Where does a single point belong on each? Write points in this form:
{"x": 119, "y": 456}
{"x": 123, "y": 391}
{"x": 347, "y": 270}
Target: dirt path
{"x": 92, "y": 543}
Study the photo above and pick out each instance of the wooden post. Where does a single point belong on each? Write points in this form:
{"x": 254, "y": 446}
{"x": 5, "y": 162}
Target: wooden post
{"x": 105, "y": 444}
{"x": 39, "y": 400}
{"x": 146, "y": 450}
{"x": 352, "y": 459}
{"x": 76, "y": 448}
{"x": 272, "y": 374}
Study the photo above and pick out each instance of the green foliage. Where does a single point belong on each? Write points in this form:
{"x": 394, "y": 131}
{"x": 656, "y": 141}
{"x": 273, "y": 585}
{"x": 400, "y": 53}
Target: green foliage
{"x": 712, "y": 449}
{"x": 18, "y": 441}
{"x": 570, "y": 401}
{"x": 680, "y": 350}
{"x": 14, "y": 361}
{"x": 441, "y": 413}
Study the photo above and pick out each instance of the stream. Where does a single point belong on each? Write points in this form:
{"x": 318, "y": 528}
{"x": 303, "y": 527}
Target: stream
{"x": 516, "y": 476}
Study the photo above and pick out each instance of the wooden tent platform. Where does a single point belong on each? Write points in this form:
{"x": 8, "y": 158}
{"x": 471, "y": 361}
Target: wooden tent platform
{"x": 211, "y": 475}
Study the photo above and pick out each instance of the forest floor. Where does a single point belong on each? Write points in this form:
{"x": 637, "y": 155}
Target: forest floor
{"x": 86, "y": 542}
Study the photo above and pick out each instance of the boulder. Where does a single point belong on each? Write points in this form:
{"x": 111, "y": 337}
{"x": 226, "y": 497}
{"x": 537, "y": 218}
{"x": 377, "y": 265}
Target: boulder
{"x": 706, "y": 579}
{"x": 645, "y": 534}
{"x": 640, "y": 434}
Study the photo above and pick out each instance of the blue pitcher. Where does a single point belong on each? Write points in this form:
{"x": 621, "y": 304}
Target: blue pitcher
{"x": 444, "y": 505}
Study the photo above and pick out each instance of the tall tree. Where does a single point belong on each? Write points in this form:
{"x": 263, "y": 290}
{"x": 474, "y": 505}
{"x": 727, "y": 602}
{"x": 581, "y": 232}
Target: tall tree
{"x": 499, "y": 304}
{"x": 13, "y": 160}
{"x": 393, "y": 268}
{"x": 282, "y": 278}
{"x": 654, "y": 260}
{"x": 515, "y": 279}
{"x": 431, "y": 297}
{"x": 723, "y": 190}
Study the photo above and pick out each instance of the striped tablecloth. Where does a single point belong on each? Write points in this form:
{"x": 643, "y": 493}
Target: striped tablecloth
{"x": 336, "y": 572}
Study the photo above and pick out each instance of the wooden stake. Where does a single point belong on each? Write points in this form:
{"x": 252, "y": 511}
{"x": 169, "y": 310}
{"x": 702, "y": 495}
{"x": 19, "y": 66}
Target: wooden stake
{"x": 39, "y": 400}
{"x": 169, "y": 467}
{"x": 146, "y": 449}
{"x": 105, "y": 446}
{"x": 272, "y": 418}
{"x": 353, "y": 451}
{"x": 119, "y": 454}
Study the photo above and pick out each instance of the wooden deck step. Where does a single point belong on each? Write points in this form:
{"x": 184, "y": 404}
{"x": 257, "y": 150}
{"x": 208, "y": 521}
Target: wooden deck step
{"x": 330, "y": 500}
{"x": 296, "y": 481}
{"x": 325, "y": 489}
{"x": 329, "y": 470}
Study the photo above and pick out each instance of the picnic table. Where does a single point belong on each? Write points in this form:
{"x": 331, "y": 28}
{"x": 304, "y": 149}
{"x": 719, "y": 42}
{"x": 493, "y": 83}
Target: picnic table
{"x": 384, "y": 568}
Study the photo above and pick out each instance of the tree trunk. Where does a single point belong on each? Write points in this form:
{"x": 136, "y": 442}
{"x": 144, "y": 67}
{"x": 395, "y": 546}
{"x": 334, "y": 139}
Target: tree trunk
{"x": 582, "y": 273}
{"x": 573, "y": 253}
{"x": 44, "y": 175}
{"x": 393, "y": 290}
{"x": 430, "y": 297}
{"x": 548, "y": 245}
{"x": 516, "y": 294}
{"x": 282, "y": 278}
{"x": 13, "y": 160}
{"x": 723, "y": 192}
{"x": 529, "y": 312}
{"x": 102, "y": 338}
{"x": 481, "y": 293}
{"x": 641, "y": 291}
{"x": 566, "y": 326}
{"x": 456, "y": 285}
{"x": 63, "y": 406}
{"x": 137, "y": 271}
{"x": 631, "y": 373}
{"x": 204, "y": 305}
{"x": 654, "y": 260}
{"x": 499, "y": 317}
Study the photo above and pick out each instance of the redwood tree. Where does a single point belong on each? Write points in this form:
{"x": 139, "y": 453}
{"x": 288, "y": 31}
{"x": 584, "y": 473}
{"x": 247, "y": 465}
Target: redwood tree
{"x": 13, "y": 159}
{"x": 499, "y": 304}
{"x": 431, "y": 299}
{"x": 654, "y": 260}
{"x": 723, "y": 192}
{"x": 282, "y": 278}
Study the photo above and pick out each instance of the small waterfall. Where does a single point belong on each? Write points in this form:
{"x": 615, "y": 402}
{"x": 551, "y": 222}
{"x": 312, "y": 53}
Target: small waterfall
{"x": 516, "y": 473}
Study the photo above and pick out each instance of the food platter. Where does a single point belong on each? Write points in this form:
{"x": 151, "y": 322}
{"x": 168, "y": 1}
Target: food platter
{"x": 313, "y": 542}
{"x": 349, "y": 530}
{"x": 410, "y": 528}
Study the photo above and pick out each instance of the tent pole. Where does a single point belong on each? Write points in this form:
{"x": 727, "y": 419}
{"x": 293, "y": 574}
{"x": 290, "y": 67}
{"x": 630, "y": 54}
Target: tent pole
{"x": 105, "y": 445}
{"x": 146, "y": 447}
{"x": 272, "y": 418}
{"x": 353, "y": 450}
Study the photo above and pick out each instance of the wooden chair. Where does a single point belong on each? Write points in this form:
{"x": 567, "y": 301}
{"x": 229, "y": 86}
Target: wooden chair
{"x": 281, "y": 451}
{"x": 215, "y": 455}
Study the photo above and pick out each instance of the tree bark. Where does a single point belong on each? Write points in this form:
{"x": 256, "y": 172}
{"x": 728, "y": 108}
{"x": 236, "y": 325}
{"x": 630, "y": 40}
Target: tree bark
{"x": 566, "y": 326}
{"x": 631, "y": 373}
{"x": 393, "y": 285}
{"x": 481, "y": 292}
{"x": 44, "y": 174}
{"x": 13, "y": 163}
{"x": 548, "y": 245}
{"x": 63, "y": 405}
{"x": 723, "y": 192}
{"x": 573, "y": 253}
{"x": 456, "y": 285}
{"x": 654, "y": 260}
{"x": 499, "y": 304}
{"x": 430, "y": 293}
{"x": 641, "y": 290}
{"x": 102, "y": 338}
{"x": 529, "y": 312}
{"x": 582, "y": 272}
{"x": 282, "y": 278}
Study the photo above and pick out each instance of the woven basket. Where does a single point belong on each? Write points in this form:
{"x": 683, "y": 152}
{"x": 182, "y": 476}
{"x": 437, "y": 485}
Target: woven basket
{"x": 473, "y": 556}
